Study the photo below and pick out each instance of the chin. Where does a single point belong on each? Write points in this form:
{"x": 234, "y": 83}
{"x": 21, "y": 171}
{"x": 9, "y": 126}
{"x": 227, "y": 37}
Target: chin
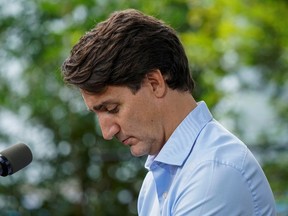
{"x": 138, "y": 154}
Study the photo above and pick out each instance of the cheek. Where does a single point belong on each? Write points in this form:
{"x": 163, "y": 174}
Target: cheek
{"x": 140, "y": 115}
{"x": 145, "y": 125}
{"x": 138, "y": 122}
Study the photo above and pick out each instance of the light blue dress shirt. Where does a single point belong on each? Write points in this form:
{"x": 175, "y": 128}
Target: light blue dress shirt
{"x": 204, "y": 170}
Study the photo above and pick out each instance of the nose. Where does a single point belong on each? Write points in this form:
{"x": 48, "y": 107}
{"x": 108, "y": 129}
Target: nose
{"x": 108, "y": 126}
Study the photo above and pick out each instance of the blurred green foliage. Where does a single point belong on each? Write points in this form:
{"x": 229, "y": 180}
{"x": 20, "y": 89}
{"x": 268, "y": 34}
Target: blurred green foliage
{"x": 75, "y": 172}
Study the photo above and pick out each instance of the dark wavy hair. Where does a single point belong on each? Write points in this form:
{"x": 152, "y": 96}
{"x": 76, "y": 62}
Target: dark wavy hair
{"x": 122, "y": 50}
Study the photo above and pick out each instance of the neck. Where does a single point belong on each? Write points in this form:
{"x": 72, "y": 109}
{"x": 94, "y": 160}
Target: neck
{"x": 178, "y": 106}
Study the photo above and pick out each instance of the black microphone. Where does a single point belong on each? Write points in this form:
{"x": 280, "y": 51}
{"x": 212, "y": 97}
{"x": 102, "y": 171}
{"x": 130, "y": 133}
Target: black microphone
{"x": 14, "y": 158}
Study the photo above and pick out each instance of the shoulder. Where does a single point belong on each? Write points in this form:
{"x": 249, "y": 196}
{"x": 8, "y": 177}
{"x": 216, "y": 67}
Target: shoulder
{"x": 220, "y": 168}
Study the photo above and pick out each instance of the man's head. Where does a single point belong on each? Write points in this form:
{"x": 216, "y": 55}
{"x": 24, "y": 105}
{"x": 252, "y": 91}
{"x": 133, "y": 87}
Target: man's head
{"x": 122, "y": 50}
{"x": 133, "y": 73}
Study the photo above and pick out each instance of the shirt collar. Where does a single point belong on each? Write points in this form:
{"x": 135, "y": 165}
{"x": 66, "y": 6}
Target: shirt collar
{"x": 180, "y": 144}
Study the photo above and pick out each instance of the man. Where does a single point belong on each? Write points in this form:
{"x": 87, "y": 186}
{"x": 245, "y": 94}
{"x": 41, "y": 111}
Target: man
{"x": 132, "y": 71}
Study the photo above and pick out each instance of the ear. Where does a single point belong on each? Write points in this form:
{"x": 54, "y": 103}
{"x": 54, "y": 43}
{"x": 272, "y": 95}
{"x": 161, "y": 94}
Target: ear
{"x": 157, "y": 82}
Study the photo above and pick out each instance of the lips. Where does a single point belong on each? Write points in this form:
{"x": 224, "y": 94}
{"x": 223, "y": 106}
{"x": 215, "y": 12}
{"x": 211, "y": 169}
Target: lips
{"x": 127, "y": 141}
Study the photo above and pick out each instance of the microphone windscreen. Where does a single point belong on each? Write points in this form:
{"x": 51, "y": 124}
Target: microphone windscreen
{"x": 19, "y": 156}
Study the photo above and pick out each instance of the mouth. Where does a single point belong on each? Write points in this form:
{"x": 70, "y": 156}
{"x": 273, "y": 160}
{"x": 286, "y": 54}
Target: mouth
{"x": 126, "y": 141}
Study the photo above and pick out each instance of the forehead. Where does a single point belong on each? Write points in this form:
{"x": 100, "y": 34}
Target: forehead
{"x": 112, "y": 94}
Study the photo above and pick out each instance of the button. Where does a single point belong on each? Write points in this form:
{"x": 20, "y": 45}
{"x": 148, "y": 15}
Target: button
{"x": 164, "y": 195}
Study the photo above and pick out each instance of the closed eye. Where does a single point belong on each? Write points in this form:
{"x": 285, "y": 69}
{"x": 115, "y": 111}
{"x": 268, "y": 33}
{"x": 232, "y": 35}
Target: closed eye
{"x": 107, "y": 107}
{"x": 113, "y": 110}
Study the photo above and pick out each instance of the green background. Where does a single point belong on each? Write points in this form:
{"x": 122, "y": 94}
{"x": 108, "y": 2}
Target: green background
{"x": 238, "y": 53}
